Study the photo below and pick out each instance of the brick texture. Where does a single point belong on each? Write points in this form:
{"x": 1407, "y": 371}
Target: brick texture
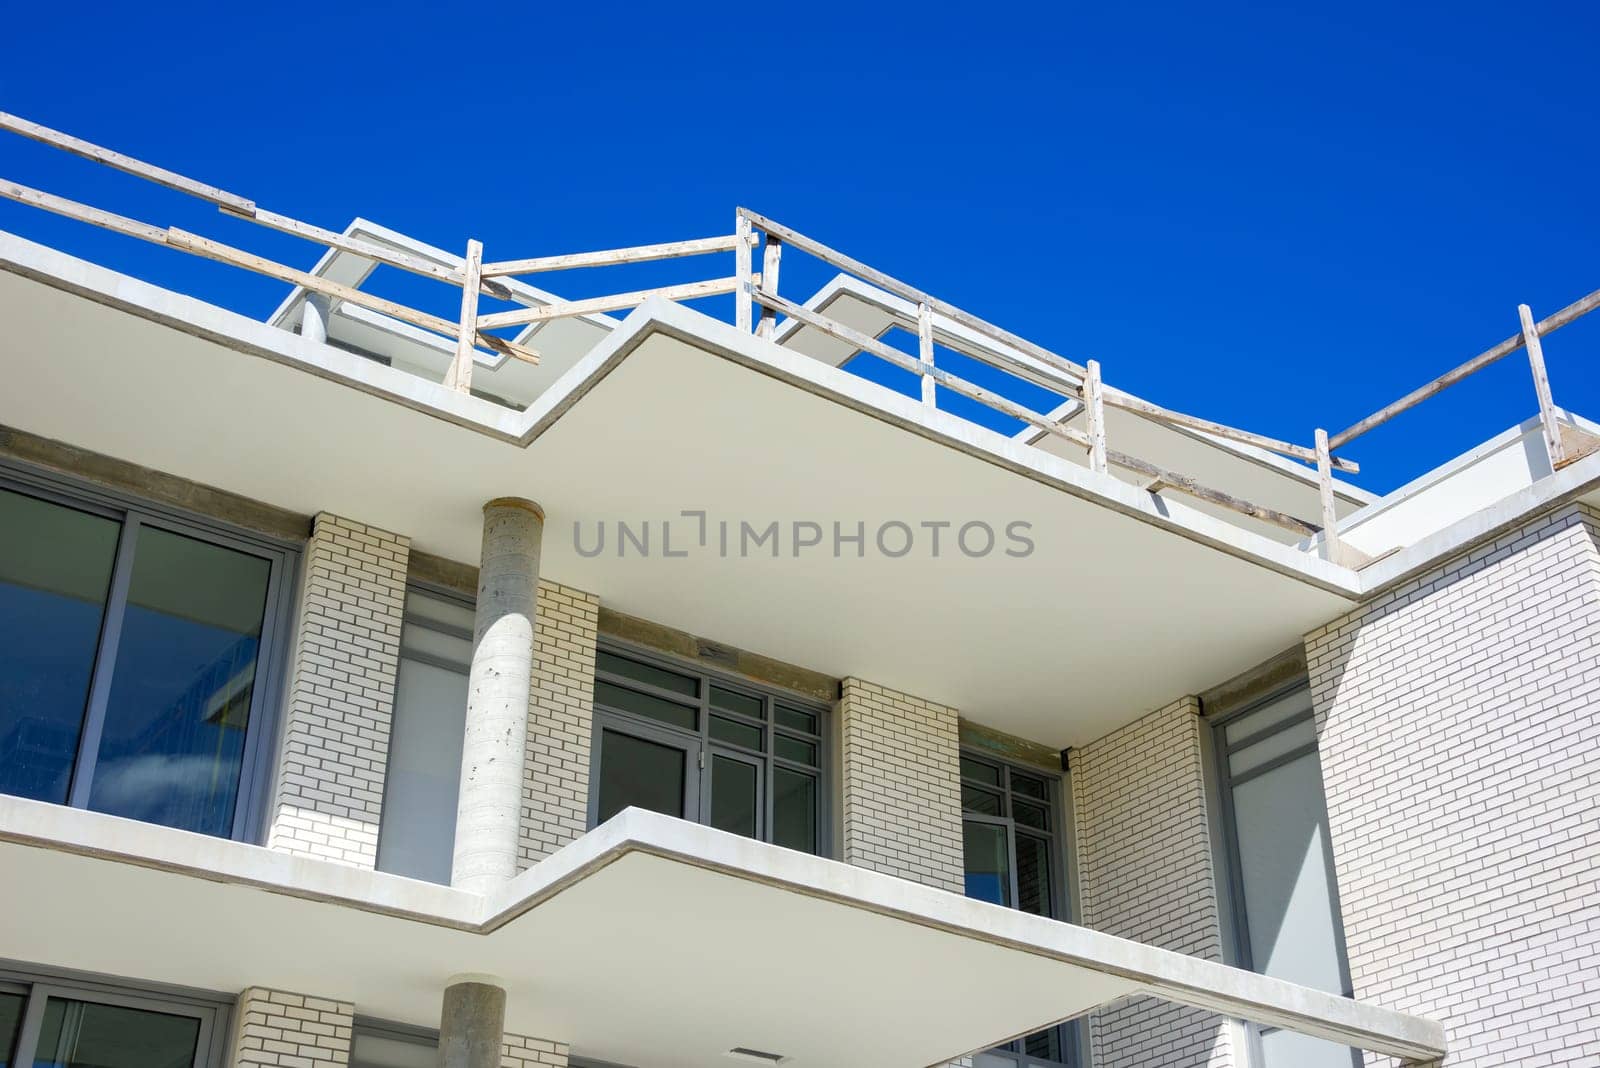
{"x": 274, "y": 1027}
{"x": 555, "y": 793}
{"x": 520, "y": 1052}
{"x": 335, "y": 747}
{"x": 902, "y": 785}
{"x": 1459, "y": 722}
{"x": 1145, "y": 873}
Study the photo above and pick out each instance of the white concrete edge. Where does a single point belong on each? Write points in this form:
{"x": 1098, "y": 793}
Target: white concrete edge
{"x": 195, "y": 317}
{"x": 880, "y": 402}
{"x": 1162, "y": 973}
{"x": 1549, "y": 492}
{"x": 905, "y": 315}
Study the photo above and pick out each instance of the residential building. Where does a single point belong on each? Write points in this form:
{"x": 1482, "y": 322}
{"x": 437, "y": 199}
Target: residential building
{"x": 535, "y": 686}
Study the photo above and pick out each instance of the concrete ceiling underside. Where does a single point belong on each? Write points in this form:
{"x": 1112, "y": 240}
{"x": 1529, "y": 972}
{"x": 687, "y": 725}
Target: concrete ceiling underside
{"x": 649, "y": 941}
{"x": 1123, "y": 604}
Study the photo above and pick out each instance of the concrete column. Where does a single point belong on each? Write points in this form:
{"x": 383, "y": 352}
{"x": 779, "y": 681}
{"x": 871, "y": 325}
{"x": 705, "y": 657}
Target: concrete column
{"x": 472, "y": 1022}
{"x": 488, "y": 811}
{"x": 314, "y": 312}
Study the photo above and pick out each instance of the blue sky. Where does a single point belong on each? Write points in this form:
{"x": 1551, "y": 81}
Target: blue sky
{"x": 1274, "y": 218}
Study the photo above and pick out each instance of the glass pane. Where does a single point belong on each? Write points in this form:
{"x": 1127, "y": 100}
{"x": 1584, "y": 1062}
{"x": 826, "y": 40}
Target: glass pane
{"x": 981, "y": 801}
{"x": 1035, "y": 891}
{"x": 660, "y": 678}
{"x": 1286, "y": 707}
{"x": 1046, "y": 1045}
{"x": 794, "y": 749}
{"x": 1029, "y": 786}
{"x": 1028, "y": 814}
{"x": 1272, "y": 747}
{"x": 418, "y": 835}
{"x": 644, "y": 704}
{"x": 393, "y": 1051}
{"x": 794, "y": 810}
{"x": 978, "y": 771}
{"x": 82, "y": 1034}
{"x": 1281, "y": 822}
{"x": 1290, "y": 1049}
{"x": 734, "y": 796}
{"x": 10, "y": 1022}
{"x": 451, "y": 614}
{"x": 636, "y": 772}
{"x": 735, "y": 733}
{"x": 55, "y": 570}
{"x": 181, "y": 693}
{"x": 988, "y": 867}
{"x": 795, "y": 719}
{"x": 743, "y": 704}
{"x": 420, "y": 639}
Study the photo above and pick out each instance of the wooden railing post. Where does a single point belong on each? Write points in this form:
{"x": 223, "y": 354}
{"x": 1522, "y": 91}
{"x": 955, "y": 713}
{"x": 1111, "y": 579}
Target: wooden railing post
{"x": 769, "y": 284}
{"x": 459, "y": 377}
{"x": 1541, "y": 386}
{"x": 1094, "y": 405}
{"x": 925, "y": 352}
{"x": 1330, "y": 516}
{"x": 743, "y": 298}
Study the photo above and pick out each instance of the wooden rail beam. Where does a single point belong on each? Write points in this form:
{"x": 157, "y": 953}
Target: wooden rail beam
{"x": 610, "y": 257}
{"x": 1094, "y": 405}
{"x": 770, "y": 258}
{"x": 71, "y": 209}
{"x": 1118, "y": 399}
{"x": 567, "y": 308}
{"x": 459, "y": 377}
{"x": 930, "y": 394}
{"x": 1541, "y": 387}
{"x": 1576, "y": 310}
{"x": 159, "y": 175}
{"x": 743, "y": 308}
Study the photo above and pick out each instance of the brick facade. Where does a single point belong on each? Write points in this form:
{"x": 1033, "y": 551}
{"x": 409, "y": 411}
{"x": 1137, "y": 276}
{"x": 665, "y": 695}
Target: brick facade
{"x": 1145, "y": 873}
{"x": 328, "y": 794}
{"x": 902, "y": 785}
{"x": 555, "y": 794}
{"x": 520, "y": 1052}
{"x": 1459, "y": 723}
{"x": 284, "y": 1030}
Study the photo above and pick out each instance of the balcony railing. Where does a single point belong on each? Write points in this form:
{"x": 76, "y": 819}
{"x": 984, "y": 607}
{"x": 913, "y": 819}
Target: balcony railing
{"x": 936, "y": 322}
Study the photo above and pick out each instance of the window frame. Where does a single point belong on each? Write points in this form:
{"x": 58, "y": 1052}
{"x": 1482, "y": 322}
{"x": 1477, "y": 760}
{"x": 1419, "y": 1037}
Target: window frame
{"x": 132, "y": 513}
{"x": 1061, "y": 844}
{"x": 1226, "y": 781}
{"x": 700, "y": 743}
{"x": 38, "y": 985}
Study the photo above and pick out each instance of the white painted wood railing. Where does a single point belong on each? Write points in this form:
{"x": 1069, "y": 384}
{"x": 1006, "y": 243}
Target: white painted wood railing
{"x": 935, "y": 322}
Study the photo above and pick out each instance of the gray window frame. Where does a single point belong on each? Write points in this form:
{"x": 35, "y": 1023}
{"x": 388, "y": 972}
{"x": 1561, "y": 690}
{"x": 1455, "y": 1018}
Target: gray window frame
{"x": 133, "y": 513}
{"x": 38, "y": 985}
{"x": 1222, "y": 749}
{"x": 1064, "y": 897}
{"x": 699, "y": 742}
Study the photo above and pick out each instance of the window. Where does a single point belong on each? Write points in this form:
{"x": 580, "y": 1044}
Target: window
{"x": 1285, "y": 902}
{"x": 47, "y": 1024}
{"x": 706, "y": 748}
{"x": 1014, "y": 848}
{"x": 422, "y": 784}
{"x": 135, "y": 655}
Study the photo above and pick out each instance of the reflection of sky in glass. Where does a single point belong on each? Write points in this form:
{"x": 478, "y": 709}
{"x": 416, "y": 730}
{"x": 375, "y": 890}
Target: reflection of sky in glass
{"x": 48, "y": 644}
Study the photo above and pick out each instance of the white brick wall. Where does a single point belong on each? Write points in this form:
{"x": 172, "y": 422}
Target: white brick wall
{"x": 1459, "y": 722}
{"x": 275, "y": 1027}
{"x": 520, "y": 1052}
{"x": 902, "y": 785}
{"x": 555, "y": 794}
{"x": 335, "y": 747}
{"x": 1145, "y": 873}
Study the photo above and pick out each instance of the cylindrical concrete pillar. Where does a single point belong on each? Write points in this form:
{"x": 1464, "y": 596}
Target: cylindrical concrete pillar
{"x": 472, "y": 1023}
{"x": 314, "y": 312}
{"x": 490, "y": 802}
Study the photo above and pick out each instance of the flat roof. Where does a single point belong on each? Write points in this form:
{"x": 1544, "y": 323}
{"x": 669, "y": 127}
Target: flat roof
{"x": 649, "y": 940}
